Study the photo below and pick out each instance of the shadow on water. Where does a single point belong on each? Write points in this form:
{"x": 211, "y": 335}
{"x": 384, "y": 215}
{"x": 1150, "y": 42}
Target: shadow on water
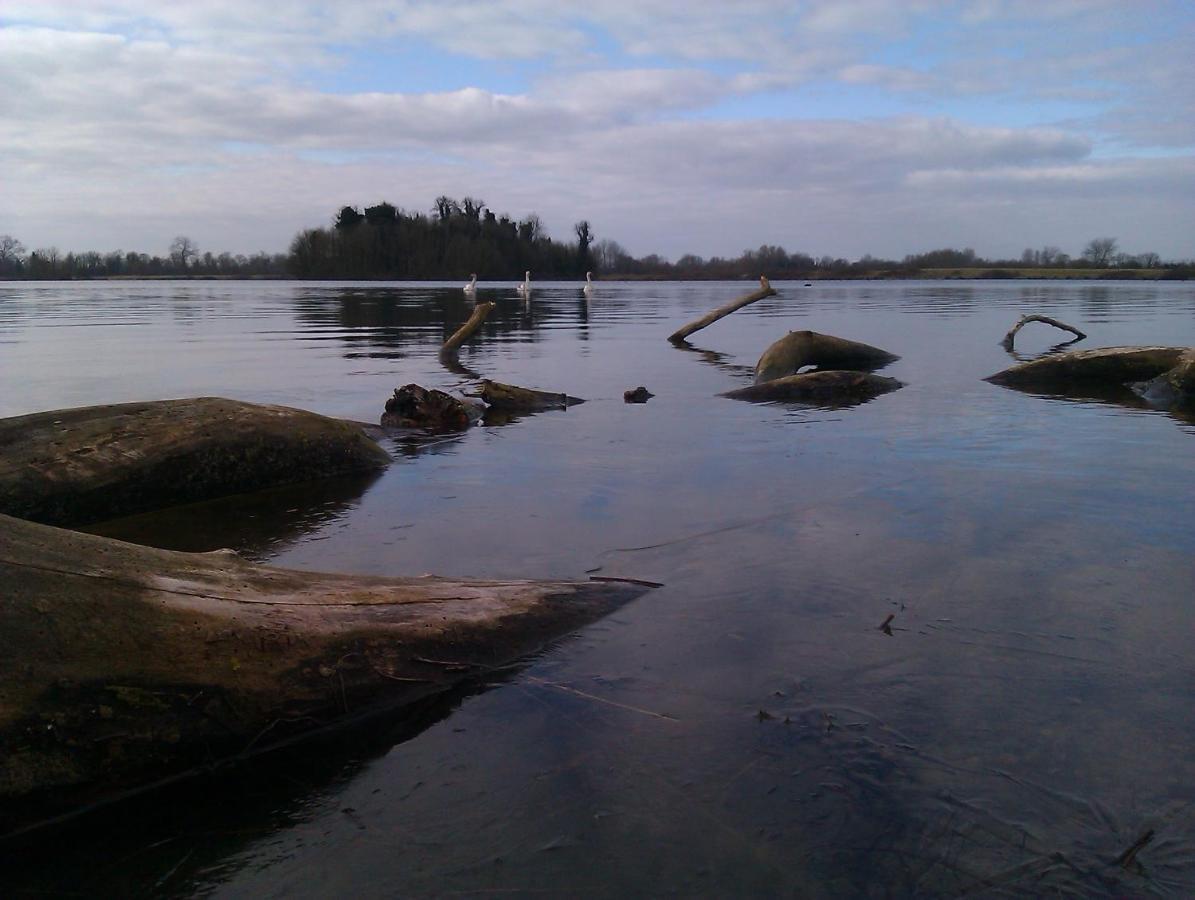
{"x": 196, "y": 829}
{"x": 256, "y": 525}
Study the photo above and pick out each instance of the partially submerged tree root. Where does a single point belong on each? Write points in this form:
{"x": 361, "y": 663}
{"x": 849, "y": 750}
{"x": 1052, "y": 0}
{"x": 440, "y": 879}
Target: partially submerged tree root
{"x": 1009, "y": 338}
{"x": 824, "y": 388}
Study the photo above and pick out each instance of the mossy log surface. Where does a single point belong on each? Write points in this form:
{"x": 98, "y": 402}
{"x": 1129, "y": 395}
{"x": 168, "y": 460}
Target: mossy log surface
{"x": 798, "y": 349}
{"x": 824, "y": 388}
{"x": 74, "y": 466}
{"x": 1109, "y": 366}
{"x": 121, "y": 665}
{"x": 512, "y": 398}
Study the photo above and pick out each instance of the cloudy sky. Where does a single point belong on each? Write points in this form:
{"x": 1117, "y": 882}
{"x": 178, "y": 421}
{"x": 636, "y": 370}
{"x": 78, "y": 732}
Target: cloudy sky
{"x": 836, "y": 127}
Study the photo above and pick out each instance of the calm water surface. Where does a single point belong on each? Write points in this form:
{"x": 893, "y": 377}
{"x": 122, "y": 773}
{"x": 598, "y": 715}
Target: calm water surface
{"x": 747, "y": 729}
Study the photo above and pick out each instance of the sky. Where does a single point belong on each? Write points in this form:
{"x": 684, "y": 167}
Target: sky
{"x": 839, "y": 127}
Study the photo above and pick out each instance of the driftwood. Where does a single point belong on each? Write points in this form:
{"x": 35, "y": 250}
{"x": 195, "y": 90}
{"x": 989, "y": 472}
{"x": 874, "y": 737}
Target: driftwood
{"x": 73, "y": 466}
{"x": 765, "y": 290}
{"x": 798, "y": 349}
{"x": 1025, "y": 320}
{"x": 512, "y": 398}
{"x": 1162, "y": 377}
{"x": 121, "y": 665}
{"x": 824, "y": 388}
{"x": 462, "y": 334}
{"x": 413, "y": 406}
{"x": 637, "y": 395}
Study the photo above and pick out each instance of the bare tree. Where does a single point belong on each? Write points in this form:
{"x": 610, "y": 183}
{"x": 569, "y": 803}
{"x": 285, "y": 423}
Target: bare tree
{"x": 183, "y": 250}
{"x": 11, "y": 249}
{"x": 1099, "y": 251}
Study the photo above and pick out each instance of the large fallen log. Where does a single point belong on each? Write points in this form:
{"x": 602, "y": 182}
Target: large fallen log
{"x": 73, "y": 466}
{"x": 1107, "y": 366}
{"x": 1164, "y": 377}
{"x": 1009, "y": 338}
{"x": 512, "y": 398}
{"x": 798, "y": 349}
{"x": 765, "y": 290}
{"x": 823, "y": 388}
{"x": 121, "y": 665}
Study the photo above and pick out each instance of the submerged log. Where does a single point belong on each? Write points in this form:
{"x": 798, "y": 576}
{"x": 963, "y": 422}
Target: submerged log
{"x": 462, "y": 334}
{"x": 1109, "y": 366}
{"x": 512, "y": 398}
{"x": 121, "y": 665}
{"x": 765, "y": 290}
{"x": 1173, "y": 389}
{"x": 413, "y": 406}
{"x": 1009, "y": 338}
{"x": 73, "y": 466}
{"x": 637, "y": 395}
{"x": 823, "y": 387}
{"x": 798, "y": 349}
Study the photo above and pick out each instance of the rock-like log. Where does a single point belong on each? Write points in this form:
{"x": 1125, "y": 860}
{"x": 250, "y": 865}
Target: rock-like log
{"x": 73, "y": 466}
{"x": 765, "y": 290}
{"x": 1009, "y": 338}
{"x": 1109, "y": 366}
{"x": 413, "y": 406}
{"x": 798, "y": 349}
{"x": 512, "y": 398}
{"x": 823, "y": 387}
{"x": 121, "y": 665}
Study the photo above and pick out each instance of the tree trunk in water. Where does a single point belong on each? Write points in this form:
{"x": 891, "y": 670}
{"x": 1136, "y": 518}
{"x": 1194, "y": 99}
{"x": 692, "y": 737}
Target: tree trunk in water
{"x": 462, "y": 334}
{"x": 798, "y": 349}
{"x": 765, "y": 290}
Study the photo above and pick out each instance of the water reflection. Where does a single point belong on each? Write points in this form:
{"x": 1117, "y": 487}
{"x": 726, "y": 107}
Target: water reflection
{"x": 256, "y": 525}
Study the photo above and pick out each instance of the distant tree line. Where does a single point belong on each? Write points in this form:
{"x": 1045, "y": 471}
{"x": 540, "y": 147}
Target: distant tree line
{"x": 610, "y": 258}
{"x": 183, "y": 260}
{"x": 456, "y": 239}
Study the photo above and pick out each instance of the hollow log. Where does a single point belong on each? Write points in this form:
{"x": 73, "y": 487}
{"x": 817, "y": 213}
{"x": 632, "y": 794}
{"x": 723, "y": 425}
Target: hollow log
{"x": 1109, "y": 366}
{"x": 122, "y": 665}
{"x": 512, "y": 398}
{"x": 798, "y": 349}
{"x": 765, "y": 290}
{"x": 462, "y": 334}
{"x": 1025, "y": 320}
{"x": 823, "y": 387}
{"x": 73, "y": 466}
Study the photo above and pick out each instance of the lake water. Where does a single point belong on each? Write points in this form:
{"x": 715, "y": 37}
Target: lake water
{"x": 747, "y": 729}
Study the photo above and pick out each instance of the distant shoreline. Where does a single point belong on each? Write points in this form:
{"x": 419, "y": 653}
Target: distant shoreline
{"x": 986, "y": 273}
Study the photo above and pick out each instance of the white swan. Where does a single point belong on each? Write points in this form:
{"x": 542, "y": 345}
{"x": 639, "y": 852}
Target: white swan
{"x": 471, "y": 287}
{"x": 588, "y": 284}
{"x": 524, "y": 289}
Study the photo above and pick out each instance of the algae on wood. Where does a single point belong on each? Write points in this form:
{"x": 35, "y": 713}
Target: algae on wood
{"x": 122, "y": 664}
{"x": 73, "y": 466}
{"x": 825, "y": 388}
{"x": 512, "y": 398}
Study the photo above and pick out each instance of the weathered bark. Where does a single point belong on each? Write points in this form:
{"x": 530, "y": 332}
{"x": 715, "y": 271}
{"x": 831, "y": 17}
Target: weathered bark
{"x": 512, "y": 398}
{"x": 1173, "y": 389}
{"x": 121, "y": 665}
{"x": 798, "y": 349}
{"x": 1025, "y": 320}
{"x": 823, "y": 387}
{"x": 72, "y": 466}
{"x": 1108, "y": 366}
{"x": 413, "y": 406}
{"x": 462, "y": 334}
{"x": 765, "y": 290}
